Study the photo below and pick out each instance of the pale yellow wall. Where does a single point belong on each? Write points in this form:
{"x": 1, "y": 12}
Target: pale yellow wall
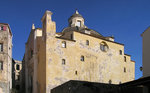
{"x": 98, "y": 66}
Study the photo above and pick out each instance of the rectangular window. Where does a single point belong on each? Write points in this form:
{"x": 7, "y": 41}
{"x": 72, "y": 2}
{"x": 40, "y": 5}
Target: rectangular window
{"x": 76, "y": 72}
{"x": 87, "y": 42}
{"x": 1, "y": 65}
{"x": 124, "y": 69}
{"x": 78, "y": 23}
{"x": 120, "y": 52}
{"x": 1, "y": 27}
{"x": 1, "y": 47}
{"x": 64, "y": 44}
{"x": 125, "y": 59}
{"x": 82, "y": 58}
{"x": 63, "y": 62}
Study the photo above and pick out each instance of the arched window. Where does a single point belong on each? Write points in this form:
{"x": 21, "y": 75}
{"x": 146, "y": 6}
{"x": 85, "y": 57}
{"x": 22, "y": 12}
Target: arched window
{"x": 63, "y": 44}
{"x": 110, "y": 81}
{"x": 87, "y": 42}
{"x": 18, "y": 67}
{"x": 103, "y": 46}
{"x": 82, "y": 58}
{"x": 63, "y": 61}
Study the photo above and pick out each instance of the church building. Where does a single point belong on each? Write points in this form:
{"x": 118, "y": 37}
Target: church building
{"x": 76, "y": 53}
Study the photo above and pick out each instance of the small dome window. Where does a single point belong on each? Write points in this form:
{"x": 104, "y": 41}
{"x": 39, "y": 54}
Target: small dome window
{"x": 78, "y": 24}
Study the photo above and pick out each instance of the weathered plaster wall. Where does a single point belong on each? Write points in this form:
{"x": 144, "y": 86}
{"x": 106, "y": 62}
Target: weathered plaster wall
{"x": 6, "y": 58}
{"x": 98, "y": 66}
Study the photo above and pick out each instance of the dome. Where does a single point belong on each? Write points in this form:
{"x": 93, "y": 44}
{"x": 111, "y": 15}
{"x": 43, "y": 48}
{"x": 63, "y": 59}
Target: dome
{"x": 76, "y": 14}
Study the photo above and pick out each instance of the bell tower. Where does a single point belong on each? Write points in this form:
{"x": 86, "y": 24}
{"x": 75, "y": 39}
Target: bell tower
{"x": 76, "y": 20}
{"x": 48, "y": 26}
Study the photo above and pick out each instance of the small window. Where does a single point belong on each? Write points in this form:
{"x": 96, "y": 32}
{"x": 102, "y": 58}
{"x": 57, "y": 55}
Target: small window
{"x": 71, "y": 36}
{"x": 63, "y": 61}
{"x": 18, "y": 67}
{"x": 125, "y": 59}
{"x": 64, "y": 44}
{"x": 4, "y": 28}
{"x": 109, "y": 81}
{"x": 104, "y": 47}
{"x": 120, "y": 52}
{"x": 31, "y": 53}
{"x": 87, "y": 42}
{"x": 1, "y": 47}
{"x": 1, "y": 28}
{"x": 1, "y": 65}
{"x": 78, "y": 23}
{"x": 82, "y": 58}
{"x": 120, "y": 82}
{"x": 124, "y": 69}
{"x": 76, "y": 72}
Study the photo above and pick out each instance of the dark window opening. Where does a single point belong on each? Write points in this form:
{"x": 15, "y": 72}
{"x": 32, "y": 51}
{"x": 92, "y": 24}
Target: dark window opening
{"x": 2, "y": 28}
{"x": 31, "y": 53}
{"x": 63, "y": 62}
{"x": 18, "y": 67}
{"x": 87, "y": 42}
{"x": 82, "y": 58}
{"x": 120, "y": 82}
{"x": 125, "y": 59}
{"x": 76, "y": 72}
{"x": 1, "y": 47}
{"x": 120, "y": 52}
{"x": 110, "y": 81}
{"x": 1, "y": 65}
{"x": 124, "y": 69}
{"x": 104, "y": 47}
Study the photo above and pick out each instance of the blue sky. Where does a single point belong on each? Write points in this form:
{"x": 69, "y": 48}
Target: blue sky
{"x": 124, "y": 19}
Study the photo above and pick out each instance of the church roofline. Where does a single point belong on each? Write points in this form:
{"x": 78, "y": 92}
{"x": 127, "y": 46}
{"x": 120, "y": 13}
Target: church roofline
{"x": 100, "y": 37}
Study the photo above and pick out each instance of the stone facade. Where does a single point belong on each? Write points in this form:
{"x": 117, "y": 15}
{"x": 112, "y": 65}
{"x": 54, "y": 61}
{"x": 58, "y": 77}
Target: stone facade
{"x": 17, "y": 75}
{"x": 5, "y": 58}
{"x": 146, "y": 51}
{"x": 77, "y": 53}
